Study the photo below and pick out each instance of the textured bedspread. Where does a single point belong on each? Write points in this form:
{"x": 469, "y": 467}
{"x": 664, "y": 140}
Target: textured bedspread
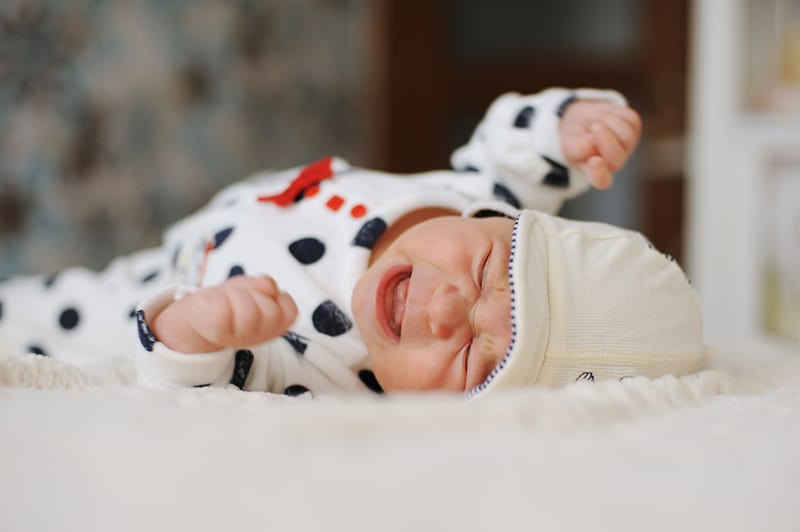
{"x": 719, "y": 450}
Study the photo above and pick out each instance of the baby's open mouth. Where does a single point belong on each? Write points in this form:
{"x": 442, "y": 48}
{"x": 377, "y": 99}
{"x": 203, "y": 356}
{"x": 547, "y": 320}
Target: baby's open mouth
{"x": 392, "y": 302}
{"x": 397, "y": 301}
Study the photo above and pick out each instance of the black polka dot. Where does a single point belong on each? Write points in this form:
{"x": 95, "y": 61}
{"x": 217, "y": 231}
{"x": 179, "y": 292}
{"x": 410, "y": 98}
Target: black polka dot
{"x": 241, "y": 368}
{"x": 221, "y": 236}
{"x": 295, "y": 389}
{"x": 307, "y": 250}
{"x": 175, "y": 255}
{"x": 235, "y": 270}
{"x": 149, "y": 277}
{"x": 523, "y": 119}
{"x": 328, "y": 319}
{"x": 69, "y": 318}
{"x": 503, "y": 193}
{"x": 36, "y": 350}
{"x": 50, "y": 280}
{"x": 562, "y": 108}
{"x": 132, "y": 312}
{"x": 558, "y": 176}
{"x": 299, "y": 343}
{"x": 489, "y": 213}
{"x": 369, "y": 233}
{"x": 369, "y": 380}
{"x": 470, "y": 168}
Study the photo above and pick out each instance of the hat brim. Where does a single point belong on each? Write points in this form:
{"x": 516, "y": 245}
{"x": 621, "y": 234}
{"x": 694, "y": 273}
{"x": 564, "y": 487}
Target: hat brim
{"x": 529, "y": 308}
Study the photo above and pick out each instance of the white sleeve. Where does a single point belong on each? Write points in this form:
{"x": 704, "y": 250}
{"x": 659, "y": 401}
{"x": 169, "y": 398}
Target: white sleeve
{"x": 517, "y": 145}
{"x": 161, "y": 367}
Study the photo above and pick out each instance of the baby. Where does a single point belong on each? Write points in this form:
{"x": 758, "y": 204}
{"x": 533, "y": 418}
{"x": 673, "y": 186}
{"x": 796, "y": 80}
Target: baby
{"x": 329, "y": 278}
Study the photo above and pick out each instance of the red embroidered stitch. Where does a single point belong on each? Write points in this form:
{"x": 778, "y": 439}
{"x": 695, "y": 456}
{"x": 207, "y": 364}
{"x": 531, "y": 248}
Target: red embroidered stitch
{"x": 335, "y": 202}
{"x": 358, "y": 211}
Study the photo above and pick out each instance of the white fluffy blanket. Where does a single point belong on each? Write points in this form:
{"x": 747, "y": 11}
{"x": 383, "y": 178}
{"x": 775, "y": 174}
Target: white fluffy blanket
{"x": 85, "y": 450}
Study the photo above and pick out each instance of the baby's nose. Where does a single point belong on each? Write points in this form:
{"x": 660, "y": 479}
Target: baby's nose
{"x": 447, "y": 311}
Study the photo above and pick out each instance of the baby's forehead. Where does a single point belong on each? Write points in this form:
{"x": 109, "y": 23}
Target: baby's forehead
{"x": 464, "y": 229}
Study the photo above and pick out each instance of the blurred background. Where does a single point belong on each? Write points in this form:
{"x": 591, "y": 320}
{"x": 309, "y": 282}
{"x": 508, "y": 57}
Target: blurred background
{"x": 119, "y": 117}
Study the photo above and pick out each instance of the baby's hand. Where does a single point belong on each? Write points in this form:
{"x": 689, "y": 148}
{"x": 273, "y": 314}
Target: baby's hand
{"x": 598, "y": 138}
{"x": 243, "y": 311}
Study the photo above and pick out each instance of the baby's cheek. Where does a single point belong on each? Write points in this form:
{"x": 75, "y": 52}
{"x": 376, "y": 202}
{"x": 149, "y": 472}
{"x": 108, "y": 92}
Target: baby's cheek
{"x": 382, "y": 370}
{"x": 357, "y": 303}
{"x": 401, "y": 371}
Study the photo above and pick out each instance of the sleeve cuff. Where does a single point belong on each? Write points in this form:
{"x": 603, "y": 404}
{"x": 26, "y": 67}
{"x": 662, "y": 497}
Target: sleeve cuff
{"x": 161, "y": 367}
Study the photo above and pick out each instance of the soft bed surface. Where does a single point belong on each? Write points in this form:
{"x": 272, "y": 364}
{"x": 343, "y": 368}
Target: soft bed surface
{"x": 87, "y": 450}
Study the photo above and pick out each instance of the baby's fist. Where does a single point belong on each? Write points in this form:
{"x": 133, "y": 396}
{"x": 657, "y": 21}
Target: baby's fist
{"x": 243, "y": 311}
{"x": 598, "y": 138}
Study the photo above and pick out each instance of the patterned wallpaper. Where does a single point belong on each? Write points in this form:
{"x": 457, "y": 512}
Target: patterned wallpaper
{"x": 119, "y": 117}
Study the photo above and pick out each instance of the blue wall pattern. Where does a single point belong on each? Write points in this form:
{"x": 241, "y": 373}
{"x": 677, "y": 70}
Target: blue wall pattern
{"x": 119, "y": 117}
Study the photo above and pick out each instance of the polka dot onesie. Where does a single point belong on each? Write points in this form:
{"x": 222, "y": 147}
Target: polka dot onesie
{"x": 312, "y": 228}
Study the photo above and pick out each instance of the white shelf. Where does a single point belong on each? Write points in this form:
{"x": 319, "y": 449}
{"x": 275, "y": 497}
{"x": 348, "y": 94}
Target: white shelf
{"x": 730, "y": 151}
{"x": 774, "y": 126}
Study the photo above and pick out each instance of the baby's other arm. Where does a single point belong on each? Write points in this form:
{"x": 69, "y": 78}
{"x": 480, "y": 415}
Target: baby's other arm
{"x": 598, "y": 138}
{"x": 241, "y": 312}
{"x": 544, "y": 148}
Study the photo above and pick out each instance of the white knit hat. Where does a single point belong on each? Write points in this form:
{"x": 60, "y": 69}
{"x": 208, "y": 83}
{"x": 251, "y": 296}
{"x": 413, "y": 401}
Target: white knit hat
{"x": 593, "y": 301}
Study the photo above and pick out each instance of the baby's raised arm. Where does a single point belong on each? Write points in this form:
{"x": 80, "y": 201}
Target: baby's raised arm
{"x": 548, "y": 147}
{"x": 241, "y": 312}
{"x": 598, "y": 138}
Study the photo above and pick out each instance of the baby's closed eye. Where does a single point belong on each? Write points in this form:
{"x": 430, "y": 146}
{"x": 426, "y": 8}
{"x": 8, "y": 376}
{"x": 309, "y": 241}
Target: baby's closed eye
{"x": 482, "y": 355}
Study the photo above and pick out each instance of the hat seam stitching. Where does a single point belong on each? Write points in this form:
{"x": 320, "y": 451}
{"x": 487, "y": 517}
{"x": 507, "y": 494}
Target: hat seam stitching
{"x": 512, "y": 289}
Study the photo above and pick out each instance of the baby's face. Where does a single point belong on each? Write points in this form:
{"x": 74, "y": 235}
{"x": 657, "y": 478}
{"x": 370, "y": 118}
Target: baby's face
{"x": 435, "y": 308}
